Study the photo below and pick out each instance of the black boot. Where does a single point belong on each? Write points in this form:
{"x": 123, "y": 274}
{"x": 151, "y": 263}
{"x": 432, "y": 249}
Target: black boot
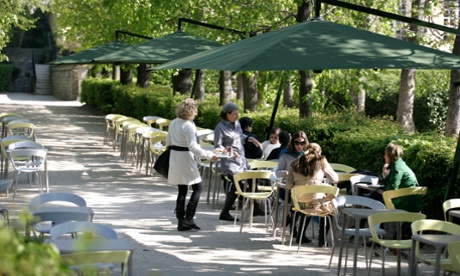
{"x": 180, "y": 213}
{"x": 225, "y": 213}
{"x": 189, "y": 214}
{"x": 322, "y": 234}
{"x": 258, "y": 211}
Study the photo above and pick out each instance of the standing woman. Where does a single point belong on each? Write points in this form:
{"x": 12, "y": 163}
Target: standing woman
{"x": 228, "y": 134}
{"x": 183, "y": 142}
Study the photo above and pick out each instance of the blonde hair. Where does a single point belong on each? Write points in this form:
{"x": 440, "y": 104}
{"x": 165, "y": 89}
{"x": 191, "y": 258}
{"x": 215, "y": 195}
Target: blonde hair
{"x": 187, "y": 109}
{"x": 310, "y": 161}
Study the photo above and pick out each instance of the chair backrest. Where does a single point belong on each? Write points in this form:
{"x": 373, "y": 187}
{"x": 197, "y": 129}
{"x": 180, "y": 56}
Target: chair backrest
{"x": 453, "y": 249}
{"x": 163, "y": 123}
{"x": 361, "y": 178}
{"x": 440, "y": 226}
{"x": 21, "y": 128}
{"x": 449, "y": 204}
{"x": 342, "y": 168}
{"x": 262, "y": 164}
{"x": 25, "y": 145}
{"x": 35, "y": 157}
{"x": 243, "y": 176}
{"x": 346, "y": 201}
{"x": 7, "y": 141}
{"x": 85, "y": 227}
{"x": 5, "y": 184}
{"x": 386, "y": 217}
{"x": 388, "y": 196}
{"x": 299, "y": 191}
{"x": 60, "y": 216}
{"x": 86, "y": 261}
{"x": 56, "y": 197}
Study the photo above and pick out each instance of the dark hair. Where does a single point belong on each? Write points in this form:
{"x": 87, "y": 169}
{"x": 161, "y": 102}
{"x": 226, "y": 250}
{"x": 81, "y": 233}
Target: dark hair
{"x": 284, "y": 138}
{"x": 245, "y": 122}
{"x": 298, "y": 134}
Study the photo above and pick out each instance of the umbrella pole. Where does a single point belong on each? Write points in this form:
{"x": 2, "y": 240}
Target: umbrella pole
{"x": 275, "y": 107}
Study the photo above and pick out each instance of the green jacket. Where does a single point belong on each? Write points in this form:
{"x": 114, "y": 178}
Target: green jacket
{"x": 401, "y": 176}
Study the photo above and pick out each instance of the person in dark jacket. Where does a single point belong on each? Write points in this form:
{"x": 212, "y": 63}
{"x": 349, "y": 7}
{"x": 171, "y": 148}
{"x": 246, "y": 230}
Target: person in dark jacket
{"x": 251, "y": 150}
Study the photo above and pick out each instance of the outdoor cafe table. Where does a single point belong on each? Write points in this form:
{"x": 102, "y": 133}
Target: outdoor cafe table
{"x": 357, "y": 214}
{"x": 438, "y": 241}
{"x": 66, "y": 246}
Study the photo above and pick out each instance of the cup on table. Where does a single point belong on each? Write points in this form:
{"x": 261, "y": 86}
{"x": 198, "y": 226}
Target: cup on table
{"x": 375, "y": 181}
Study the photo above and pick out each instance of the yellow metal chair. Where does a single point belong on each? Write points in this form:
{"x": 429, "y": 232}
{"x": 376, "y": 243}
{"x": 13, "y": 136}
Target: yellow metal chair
{"x": 156, "y": 146}
{"x": 440, "y": 227}
{"x": 258, "y": 165}
{"x": 88, "y": 263}
{"x": 388, "y": 196}
{"x": 250, "y": 196}
{"x": 448, "y": 205}
{"x": 110, "y": 126}
{"x": 298, "y": 195}
{"x": 21, "y": 128}
{"x": 454, "y": 253}
{"x": 385, "y": 244}
{"x": 163, "y": 124}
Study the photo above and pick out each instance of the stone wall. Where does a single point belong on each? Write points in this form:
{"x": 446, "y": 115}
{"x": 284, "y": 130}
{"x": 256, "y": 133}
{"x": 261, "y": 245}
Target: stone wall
{"x": 66, "y": 81}
{"x": 23, "y": 59}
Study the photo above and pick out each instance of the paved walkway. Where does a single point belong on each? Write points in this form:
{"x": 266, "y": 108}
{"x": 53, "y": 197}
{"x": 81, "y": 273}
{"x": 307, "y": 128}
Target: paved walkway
{"x": 141, "y": 207}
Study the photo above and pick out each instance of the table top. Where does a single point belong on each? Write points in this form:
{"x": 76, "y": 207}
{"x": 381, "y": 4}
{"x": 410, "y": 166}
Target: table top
{"x": 436, "y": 239}
{"x": 361, "y": 213}
{"x": 78, "y": 245}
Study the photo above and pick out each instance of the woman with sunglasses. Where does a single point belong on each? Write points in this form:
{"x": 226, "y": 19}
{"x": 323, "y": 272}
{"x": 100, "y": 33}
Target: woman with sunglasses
{"x": 295, "y": 148}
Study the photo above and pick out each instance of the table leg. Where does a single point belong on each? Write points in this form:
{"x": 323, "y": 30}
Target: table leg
{"x": 47, "y": 184}
{"x": 209, "y": 173}
{"x": 356, "y": 246}
{"x": 412, "y": 262}
{"x": 285, "y": 212}
{"x": 437, "y": 267}
{"x": 130, "y": 264}
{"x": 275, "y": 221}
{"x": 342, "y": 239}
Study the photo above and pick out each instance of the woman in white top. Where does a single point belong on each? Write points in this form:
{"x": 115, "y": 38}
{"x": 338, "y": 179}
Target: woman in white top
{"x": 183, "y": 172}
{"x": 311, "y": 168}
{"x": 272, "y": 143}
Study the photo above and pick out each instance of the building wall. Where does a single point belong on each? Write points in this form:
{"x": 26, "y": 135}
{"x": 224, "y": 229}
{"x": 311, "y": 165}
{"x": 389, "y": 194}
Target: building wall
{"x": 23, "y": 59}
{"x": 66, "y": 81}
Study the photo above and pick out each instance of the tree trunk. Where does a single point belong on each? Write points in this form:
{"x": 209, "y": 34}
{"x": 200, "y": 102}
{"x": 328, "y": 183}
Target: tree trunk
{"x": 406, "y": 100}
{"x": 305, "y": 100}
{"x": 225, "y": 87}
{"x": 126, "y": 76}
{"x": 453, "y": 108}
{"x": 182, "y": 82}
{"x": 288, "y": 95}
{"x": 305, "y": 87}
{"x": 407, "y": 85}
{"x": 116, "y": 72}
{"x": 143, "y": 76}
{"x": 239, "y": 87}
{"x": 251, "y": 99}
{"x": 358, "y": 95}
{"x": 198, "y": 94}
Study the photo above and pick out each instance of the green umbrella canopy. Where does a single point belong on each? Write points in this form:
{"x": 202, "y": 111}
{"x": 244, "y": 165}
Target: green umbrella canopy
{"x": 87, "y": 56}
{"x": 161, "y": 50}
{"x": 317, "y": 45}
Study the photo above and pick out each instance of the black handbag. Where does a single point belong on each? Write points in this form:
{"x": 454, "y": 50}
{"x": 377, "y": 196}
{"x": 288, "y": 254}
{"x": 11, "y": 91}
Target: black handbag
{"x": 162, "y": 163}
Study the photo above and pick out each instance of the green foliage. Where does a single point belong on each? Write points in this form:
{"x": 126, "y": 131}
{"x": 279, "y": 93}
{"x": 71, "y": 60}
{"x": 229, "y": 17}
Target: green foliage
{"x": 6, "y": 73}
{"x": 21, "y": 255}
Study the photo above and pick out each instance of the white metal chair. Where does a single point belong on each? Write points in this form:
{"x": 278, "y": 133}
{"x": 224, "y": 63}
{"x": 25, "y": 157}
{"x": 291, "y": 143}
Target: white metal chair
{"x": 28, "y": 161}
{"x": 88, "y": 263}
{"x": 57, "y": 216}
{"x": 361, "y": 178}
{"x": 352, "y": 201}
{"x": 54, "y": 199}
{"x": 453, "y": 203}
{"x": 454, "y": 252}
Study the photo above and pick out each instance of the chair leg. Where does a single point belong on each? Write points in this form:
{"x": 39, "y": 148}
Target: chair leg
{"x": 301, "y": 234}
{"x": 5, "y": 215}
{"x": 15, "y": 184}
{"x": 293, "y": 224}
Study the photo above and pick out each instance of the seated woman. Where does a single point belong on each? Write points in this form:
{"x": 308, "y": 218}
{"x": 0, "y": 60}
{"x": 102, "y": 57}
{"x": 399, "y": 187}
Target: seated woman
{"x": 272, "y": 143}
{"x": 395, "y": 175}
{"x": 310, "y": 169}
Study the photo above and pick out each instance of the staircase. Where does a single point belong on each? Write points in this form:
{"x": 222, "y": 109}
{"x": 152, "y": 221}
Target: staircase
{"x": 43, "y": 79}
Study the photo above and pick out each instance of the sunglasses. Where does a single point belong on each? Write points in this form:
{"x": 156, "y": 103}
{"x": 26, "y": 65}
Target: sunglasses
{"x": 298, "y": 143}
